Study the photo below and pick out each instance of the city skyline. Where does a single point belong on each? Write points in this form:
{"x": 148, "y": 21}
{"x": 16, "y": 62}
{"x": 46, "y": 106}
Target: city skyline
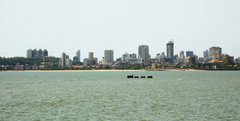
{"x": 78, "y": 54}
{"x": 213, "y": 52}
{"x": 93, "y": 26}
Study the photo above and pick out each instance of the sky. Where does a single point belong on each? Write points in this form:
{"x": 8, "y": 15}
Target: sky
{"x": 121, "y": 25}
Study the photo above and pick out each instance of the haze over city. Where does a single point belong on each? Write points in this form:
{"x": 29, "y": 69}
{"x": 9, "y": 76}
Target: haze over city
{"x": 70, "y": 25}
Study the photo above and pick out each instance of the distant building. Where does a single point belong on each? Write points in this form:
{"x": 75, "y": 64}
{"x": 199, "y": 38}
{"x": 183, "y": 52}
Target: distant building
{"x": 133, "y": 56}
{"x": 215, "y": 53}
{"x": 95, "y": 61}
{"x": 108, "y": 57}
{"x": 37, "y": 53}
{"x": 181, "y": 54}
{"x": 78, "y": 55}
{"x": 238, "y": 60}
{"x": 91, "y": 58}
{"x": 130, "y": 58}
{"x": 77, "y": 58}
{"x": 189, "y": 54}
{"x": 45, "y": 53}
{"x": 29, "y": 53}
{"x": 190, "y": 60}
{"x": 227, "y": 59}
{"x": 205, "y": 54}
{"x": 68, "y": 63}
{"x": 170, "y": 49}
{"x": 63, "y": 60}
{"x": 143, "y": 54}
{"x": 201, "y": 60}
{"x": 40, "y": 53}
{"x": 161, "y": 58}
{"x": 85, "y": 62}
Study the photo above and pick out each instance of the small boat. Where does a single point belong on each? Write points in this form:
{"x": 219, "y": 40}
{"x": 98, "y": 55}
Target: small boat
{"x": 143, "y": 76}
{"x": 149, "y": 76}
{"x": 136, "y": 76}
{"x": 130, "y": 76}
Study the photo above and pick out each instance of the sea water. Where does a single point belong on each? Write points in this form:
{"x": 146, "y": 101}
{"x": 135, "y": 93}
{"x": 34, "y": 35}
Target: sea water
{"x": 110, "y": 96}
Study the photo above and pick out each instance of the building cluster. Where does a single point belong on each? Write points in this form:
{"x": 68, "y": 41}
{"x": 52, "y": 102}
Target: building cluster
{"x": 37, "y": 53}
{"x": 211, "y": 55}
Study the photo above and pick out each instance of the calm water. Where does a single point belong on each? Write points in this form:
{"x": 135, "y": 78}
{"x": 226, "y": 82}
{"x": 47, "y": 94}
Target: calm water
{"x": 109, "y": 96}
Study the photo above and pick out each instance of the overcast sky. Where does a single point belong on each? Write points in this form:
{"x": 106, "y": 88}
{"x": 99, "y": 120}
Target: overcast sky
{"x": 122, "y": 25}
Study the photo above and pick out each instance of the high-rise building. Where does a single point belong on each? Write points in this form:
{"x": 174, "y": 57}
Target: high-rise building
{"x": 91, "y": 58}
{"x": 205, "y": 54}
{"x": 143, "y": 54}
{"x": 45, "y": 53}
{"x": 215, "y": 53}
{"x": 29, "y": 53}
{"x": 78, "y": 55}
{"x": 63, "y": 60}
{"x": 181, "y": 54}
{"x": 40, "y": 53}
{"x": 189, "y": 54}
{"x": 108, "y": 56}
{"x": 37, "y": 53}
{"x": 170, "y": 49}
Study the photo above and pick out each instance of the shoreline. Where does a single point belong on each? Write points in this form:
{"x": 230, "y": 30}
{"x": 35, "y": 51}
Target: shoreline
{"x": 171, "y": 70}
{"x": 115, "y": 70}
{"x": 71, "y": 70}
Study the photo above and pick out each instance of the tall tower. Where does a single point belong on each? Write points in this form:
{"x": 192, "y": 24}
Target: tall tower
{"x": 63, "y": 60}
{"x": 108, "y": 56}
{"x": 78, "y": 55}
{"x": 170, "y": 49}
{"x": 143, "y": 54}
{"x": 205, "y": 54}
{"x": 91, "y": 58}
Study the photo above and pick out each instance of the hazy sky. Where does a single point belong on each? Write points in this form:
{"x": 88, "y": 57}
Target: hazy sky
{"x": 121, "y": 25}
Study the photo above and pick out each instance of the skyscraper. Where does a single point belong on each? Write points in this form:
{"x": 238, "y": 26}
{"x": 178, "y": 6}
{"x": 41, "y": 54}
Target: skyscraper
{"x": 45, "y": 53}
{"x": 143, "y": 54}
{"x": 63, "y": 60}
{"x": 91, "y": 58}
{"x": 170, "y": 49}
{"x": 37, "y": 53}
{"x": 40, "y": 53}
{"x": 205, "y": 54}
{"x": 215, "y": 53}
{"x": 108, "y": 56}
{"x": 29, "y": 53}
{"x": 78, "y": 55}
